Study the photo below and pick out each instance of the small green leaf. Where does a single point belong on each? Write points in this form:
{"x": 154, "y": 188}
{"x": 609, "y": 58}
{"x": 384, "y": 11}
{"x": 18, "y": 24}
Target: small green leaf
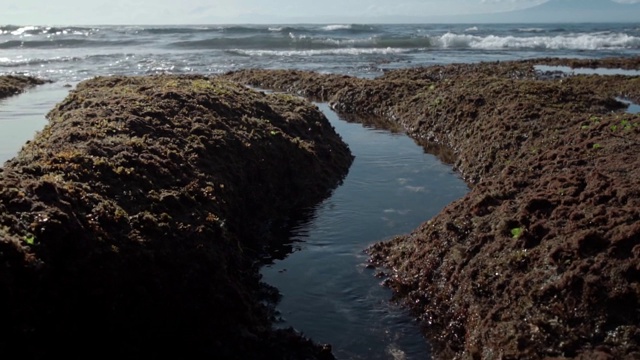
{"x": 517, "y": 232}
{"x": 30, "y": 239}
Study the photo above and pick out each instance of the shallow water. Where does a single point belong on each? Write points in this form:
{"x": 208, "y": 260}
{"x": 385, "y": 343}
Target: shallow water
{"x": 585, "y": 71}
{"x": 21, "y": 117}
{"x": 328, "y": 294}
{"x": 632, "y": 108}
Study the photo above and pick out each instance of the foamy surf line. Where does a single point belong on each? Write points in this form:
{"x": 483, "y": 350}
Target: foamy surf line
{"x": 575, "y": 42}
{"x": 340, "y": 51}
{"x": 314, "y": 45}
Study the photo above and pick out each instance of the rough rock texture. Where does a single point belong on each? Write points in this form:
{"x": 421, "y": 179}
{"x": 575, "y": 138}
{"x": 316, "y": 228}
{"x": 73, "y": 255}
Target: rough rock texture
{"x": 132, "y": 224}
{"x": 542, "y": 258}
{"x": 15, "y": 84}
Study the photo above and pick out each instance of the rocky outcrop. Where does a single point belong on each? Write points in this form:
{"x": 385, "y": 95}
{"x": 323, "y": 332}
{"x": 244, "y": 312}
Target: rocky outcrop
{"x": 15, "y": 84}
{"x": 540, "y": 259}
{"x": 132, "y": 224}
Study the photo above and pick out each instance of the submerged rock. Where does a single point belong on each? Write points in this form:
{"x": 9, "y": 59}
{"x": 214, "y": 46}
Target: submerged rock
{"x": 132, "y": 224}
{"x": 540, "y": 259}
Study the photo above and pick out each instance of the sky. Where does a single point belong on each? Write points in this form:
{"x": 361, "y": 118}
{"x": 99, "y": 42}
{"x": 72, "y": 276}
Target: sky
{"x": 148, "y": 12}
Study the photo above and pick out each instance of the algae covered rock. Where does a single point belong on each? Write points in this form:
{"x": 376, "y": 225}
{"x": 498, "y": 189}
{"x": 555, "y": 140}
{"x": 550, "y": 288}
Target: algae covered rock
{"x": 15, "y": 84}
{"x": 540, "y": 259}
{"x": 132, "y": 223}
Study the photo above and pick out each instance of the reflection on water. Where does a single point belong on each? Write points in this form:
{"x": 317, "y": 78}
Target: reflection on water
{"x": 371, "y": 121}
{"x": 442, "y": 152}
{"x": 632, "y": 108}
{"x": 23, "y": 115}
{"x": 327, "y": 293}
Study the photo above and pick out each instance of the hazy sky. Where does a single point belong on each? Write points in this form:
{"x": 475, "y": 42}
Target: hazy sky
{"x": 94, "y": 12}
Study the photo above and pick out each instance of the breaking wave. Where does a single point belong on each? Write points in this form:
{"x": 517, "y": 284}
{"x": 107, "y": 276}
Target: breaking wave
{"x": 573, "y": 42}
{"x": 312, "y": 37}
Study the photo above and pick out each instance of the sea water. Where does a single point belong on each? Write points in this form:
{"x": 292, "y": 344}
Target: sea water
{"x": 393, "y": 185}
{"x": 71, "y": 53}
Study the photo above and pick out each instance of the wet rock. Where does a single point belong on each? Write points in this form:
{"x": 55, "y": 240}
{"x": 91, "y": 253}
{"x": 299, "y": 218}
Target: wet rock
{"x": 539, "y": 259}
{"x": 15, "y": 84}
{"x": 132, "y": 224}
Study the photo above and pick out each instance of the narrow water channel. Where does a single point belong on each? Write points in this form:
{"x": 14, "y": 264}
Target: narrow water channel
{"x": 327, "y": 292}
{"x": 22, "y": 116}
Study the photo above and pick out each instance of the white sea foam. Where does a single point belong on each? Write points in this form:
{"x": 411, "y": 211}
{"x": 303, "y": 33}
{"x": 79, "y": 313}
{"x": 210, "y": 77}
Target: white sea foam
{"x": 573, "y": 42}
{"x": 23, "y": 30}
{"x": 450, "y": 40}
{"x": 319, "y": 52}
{"x": 533, "y": 30}
{"x": 336, "y": 27}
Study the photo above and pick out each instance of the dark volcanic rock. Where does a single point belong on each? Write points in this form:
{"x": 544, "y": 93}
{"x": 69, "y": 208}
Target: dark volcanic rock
{"x": 131, "y": 225}
{"x": 540, "y": 259}
{"x": 15, "y": 84}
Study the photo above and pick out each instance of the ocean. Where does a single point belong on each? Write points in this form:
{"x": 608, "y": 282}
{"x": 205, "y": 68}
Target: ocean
{"x": 73, "y": 53}
{"x": 393, "y": 185}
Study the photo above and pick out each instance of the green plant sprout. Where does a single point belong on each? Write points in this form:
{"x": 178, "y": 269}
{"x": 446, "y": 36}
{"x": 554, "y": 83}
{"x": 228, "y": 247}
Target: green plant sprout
{"x": 517, "y": 232}
{"x": 29, "y": 239}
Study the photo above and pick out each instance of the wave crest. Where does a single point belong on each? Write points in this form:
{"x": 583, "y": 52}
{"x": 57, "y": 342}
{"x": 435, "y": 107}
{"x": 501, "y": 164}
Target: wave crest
{"x": 574, "y": 42}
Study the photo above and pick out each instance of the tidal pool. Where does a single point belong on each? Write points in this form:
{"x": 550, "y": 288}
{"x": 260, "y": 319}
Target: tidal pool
{"x": 22, "y": 116}
{"x": 327, "y": 292}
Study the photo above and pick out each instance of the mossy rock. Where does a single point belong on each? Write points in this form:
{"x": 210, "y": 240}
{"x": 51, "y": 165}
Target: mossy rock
{"x": 133, "y": 222}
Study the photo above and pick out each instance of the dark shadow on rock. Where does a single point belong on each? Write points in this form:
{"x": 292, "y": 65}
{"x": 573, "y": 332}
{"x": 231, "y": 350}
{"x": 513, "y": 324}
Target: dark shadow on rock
{"x": 133, "y": 223}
